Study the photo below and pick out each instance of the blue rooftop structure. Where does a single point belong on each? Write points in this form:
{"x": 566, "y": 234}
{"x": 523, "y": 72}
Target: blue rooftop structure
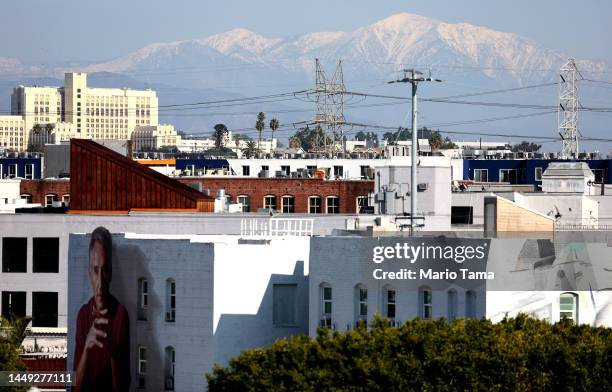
{"x": 28, "y": 168}
{"x": 526, "y": 171}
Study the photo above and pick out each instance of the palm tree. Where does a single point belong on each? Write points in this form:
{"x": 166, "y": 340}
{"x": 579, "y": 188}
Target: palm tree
{"x": 435, "y": 141}
{"x": 250, "y": 150}
{"x": 260, "y": 125}
{"x": 219, "y": 135}
{"x": 274, "y": 124}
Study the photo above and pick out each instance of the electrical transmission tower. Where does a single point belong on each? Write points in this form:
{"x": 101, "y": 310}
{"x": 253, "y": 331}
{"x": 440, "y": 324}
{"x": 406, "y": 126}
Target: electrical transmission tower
{"x": 329, "y": 104}
{"x": 567, "y": 113}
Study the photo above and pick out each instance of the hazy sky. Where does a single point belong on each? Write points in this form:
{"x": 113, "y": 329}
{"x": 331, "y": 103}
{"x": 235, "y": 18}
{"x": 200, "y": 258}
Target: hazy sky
{"x": 82, "y": 30}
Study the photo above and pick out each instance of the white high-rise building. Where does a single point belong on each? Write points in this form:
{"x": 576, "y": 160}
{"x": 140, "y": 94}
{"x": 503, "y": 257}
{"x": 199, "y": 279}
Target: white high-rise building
{"x": 76, "y": 110}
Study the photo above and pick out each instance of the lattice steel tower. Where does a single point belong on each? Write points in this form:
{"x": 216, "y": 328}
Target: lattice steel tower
{"x": 567, "y": 113}
{"x": 330, "y": 105}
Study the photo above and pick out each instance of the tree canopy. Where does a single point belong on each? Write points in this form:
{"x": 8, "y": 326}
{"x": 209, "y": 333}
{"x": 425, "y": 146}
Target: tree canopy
{"x": 525, "y": 146}
{"x": 517, "y": 354}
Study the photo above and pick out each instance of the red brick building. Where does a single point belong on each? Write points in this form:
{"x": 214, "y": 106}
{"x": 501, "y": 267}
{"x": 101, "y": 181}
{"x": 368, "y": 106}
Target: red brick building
{"x": 298, "y": 195}
{"x": 45, "y": 191}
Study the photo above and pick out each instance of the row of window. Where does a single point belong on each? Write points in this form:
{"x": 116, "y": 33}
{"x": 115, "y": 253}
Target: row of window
{"x": 169, "y": 367}
{"x": 13, "y": 171}
{"x": 389, "y": 299}
{"x": 510, "y": 175}
{"x": 287, "y": 203}
{"x": 44, "y": 307}
{"x": 143, "y": 300}
{"x": 45, "y": 254}
{"x": 337, "y": 171}
{"x": 50, "y": 198}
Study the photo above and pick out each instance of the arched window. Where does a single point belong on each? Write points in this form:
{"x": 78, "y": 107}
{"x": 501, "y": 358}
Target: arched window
{"x": 314, "y": 205}
{"x": 389, "y": 302}
{"x": 288, "y": 202}
{"x": 451, "y": 305}
{"x": 325, "y": 304}
{"x": 426, "y": 303}
{"x": 143, "y": 299}
{"x": 269, "y": 202}
{"x": 49, "y": 199}
{"x": 170, "y": 300}
{"x": 361, "y": 303}
{"x": 245, "y": 201}
{"x": 66, "y": 199}
{"x": 169, "y": 368}
{"x": 470, "y": 304}
{"x": 568, "y": 306}
{"x": 333, "y": 205}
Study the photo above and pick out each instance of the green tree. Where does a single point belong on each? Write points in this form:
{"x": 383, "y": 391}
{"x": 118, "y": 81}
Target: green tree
{"x": 219, "y": 135}
{"x": 519, "y": 354}
{"x": 526, "y": 146}
{"x": 435, "y": 141}
{"x": 274, "y": 124}
{"x": 12, "y": 333}
{"x": 250, "y": 150}
{"x": 259, "y": 126}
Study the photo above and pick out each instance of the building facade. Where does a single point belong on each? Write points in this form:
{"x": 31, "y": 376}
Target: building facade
{"x": 76, "y": 110}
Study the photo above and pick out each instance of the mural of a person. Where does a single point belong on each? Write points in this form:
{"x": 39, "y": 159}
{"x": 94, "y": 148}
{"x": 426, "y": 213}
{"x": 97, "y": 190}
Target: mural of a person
{"x": 102, "y": 342}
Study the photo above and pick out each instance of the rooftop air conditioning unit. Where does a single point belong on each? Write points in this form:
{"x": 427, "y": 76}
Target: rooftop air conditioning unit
{"x": 422, "y": 187}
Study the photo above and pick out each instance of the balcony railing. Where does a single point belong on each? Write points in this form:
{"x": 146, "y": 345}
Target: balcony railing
{"x": 276, "y": 227}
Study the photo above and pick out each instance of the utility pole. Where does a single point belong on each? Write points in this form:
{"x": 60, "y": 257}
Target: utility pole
{"x": 413, "y": 77}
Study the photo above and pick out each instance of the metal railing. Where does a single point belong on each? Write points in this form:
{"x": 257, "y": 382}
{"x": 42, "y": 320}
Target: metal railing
{"x": 277, "y": 227}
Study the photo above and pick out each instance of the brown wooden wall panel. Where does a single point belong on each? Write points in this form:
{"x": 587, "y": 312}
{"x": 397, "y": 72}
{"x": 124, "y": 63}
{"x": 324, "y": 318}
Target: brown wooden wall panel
{"x": 102, "y": 180}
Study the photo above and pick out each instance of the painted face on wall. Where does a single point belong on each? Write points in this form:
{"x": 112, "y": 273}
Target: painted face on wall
{"x": 100, "y": 274}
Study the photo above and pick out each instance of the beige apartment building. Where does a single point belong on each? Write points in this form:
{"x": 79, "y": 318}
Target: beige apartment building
{"x": 75, "y": 110}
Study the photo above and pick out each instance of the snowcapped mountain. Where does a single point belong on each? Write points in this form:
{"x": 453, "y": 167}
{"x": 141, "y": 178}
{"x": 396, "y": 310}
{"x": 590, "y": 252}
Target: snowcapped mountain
{"x": 374, "y": 50}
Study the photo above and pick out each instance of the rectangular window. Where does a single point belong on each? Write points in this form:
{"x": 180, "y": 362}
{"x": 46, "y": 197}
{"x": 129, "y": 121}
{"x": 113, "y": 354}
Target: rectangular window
{"x": 507, "y": 175}
{"x": 14, "y": 254}
{"x": 44, "y": 309}
{"x": 314, "y": 205}
{"x": 29, "y": 171}
{"x": 286, "y": 170}
{"x": 12, "y": 170}
{"x": 246, "y": 170}
{"x": 364, "y": 172}
{"x": 142, "y": 360}
{"x": 246, "y": 203}
{"x": 311, "y": 169}
{"x": 338, "y": 171}
{"x": 481, "y": 175}
{"x": 362, "y": 204}
{"x": 333, "y": 205}
{"x": 391, "y": 304}
{"x": 270, "y": 202}
{"x": 171, "y": 301}
{"x": 567, "y": 306}
{"x": 327, "y": 301}
{"x": 265, "y": 168}
{"x": 284, "y": 304}
{"x": 13, "y": 304}
{"x": 538, "y": 174}
{"x": 143, "y": 299}
{"x": 426, "y": 309}
{"x": 45, "y": 253}
{"x": 363, "y": 304}
{"x": 462, "y": 215}
{"x": 288, "y": 204}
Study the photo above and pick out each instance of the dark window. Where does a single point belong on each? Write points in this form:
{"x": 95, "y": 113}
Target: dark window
{"x": 13, "y": 304}
{"x": 462, "y": 215}
{"x": 46, "y": 254}
{"x": 44, "y": 309}
{"x": 339, "y": 171}
{"x": 246, "y": 170}
{"x": 14, "y": 254}
{"x": 286, "y": 170}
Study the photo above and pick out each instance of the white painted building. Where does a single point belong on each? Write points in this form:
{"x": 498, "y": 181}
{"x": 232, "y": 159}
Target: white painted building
{"x": 154, "y": 137}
